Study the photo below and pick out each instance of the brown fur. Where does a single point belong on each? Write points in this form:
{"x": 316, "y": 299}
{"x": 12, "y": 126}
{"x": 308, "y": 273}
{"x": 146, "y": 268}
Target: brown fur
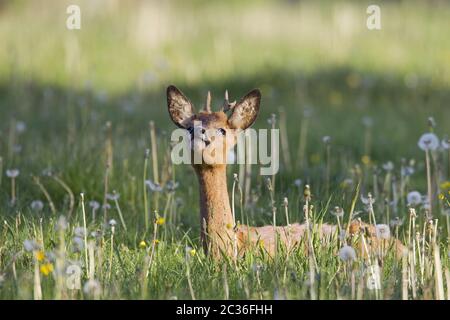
{"x": 218, "y": 234}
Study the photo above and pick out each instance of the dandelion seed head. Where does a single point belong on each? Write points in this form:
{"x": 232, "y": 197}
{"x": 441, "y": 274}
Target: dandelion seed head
{"x": 155, "y": 187}
{"x": 445, "y": 143}
{"x": 94, "y": 204}
{"x": 80, "y": 232}
{"x": 112, "y": 222}
{"x": 113, "y": 196}
{"x": 92, "y": 288}
{"x": 428, "y": 141}
{"x": 171, "y": 186}
{"x": 37, "y": 205}
{"x": 347, "y": 253}
{"x": 61, "y": 224}
{"x": 12, "y": 173}
{"x": 31, "y": 245}
{"x": 337, "y": 212}
{"x": 383, "y": 231}
{"x": 414, "y": 198}
{"x": 78, "y": 244}
{"x": 388, "y": 166}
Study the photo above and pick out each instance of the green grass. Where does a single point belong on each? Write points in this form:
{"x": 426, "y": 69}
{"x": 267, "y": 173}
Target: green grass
{"x": 66, "y": 85}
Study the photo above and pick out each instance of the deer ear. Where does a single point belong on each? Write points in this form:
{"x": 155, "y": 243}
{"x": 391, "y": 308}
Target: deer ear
{"x": 245, "y": 111}
{"x": 180, "y": 108}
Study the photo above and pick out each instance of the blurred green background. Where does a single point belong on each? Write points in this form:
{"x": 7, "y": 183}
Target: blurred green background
{"x": 312, "y": 59}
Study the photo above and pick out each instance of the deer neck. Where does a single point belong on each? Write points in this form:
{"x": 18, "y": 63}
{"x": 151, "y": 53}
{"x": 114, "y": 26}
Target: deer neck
{"x": 215, "y": 213}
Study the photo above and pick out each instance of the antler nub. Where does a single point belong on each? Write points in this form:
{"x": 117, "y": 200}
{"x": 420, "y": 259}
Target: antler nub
{"x": 208, "y": 102}
{"x": 226, "y": 104}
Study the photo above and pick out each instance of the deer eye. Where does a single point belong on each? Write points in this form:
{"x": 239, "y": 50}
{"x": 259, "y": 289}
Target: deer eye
{"x": 222, "y": 131}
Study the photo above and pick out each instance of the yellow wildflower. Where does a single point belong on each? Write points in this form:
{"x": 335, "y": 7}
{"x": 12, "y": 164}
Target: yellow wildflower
{"x": 365, "y": 159}
{"x": 142, "y": 244}
{"x": 40, "y": 255}
{"x": 445, "y": 185}
{"x": 46, "y": 269}
{"x": 156, "y": 241}
{"x": 441, "y": 196}
{"x": 229, "y": 226}
{"x": 192, "y": 252}
{"x": 160, "y": 221}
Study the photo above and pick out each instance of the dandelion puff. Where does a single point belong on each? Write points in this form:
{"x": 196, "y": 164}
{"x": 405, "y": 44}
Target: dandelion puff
{"x": 171, "y": 186}
{"x": 368, "y": 200}
{"x": 445, "y": 143}
{"x": 155, "y": 187}
{"x": 61, "y": 224}
{"x": 30, "y": 245}
{"x": 396, "y": 222}
{"x": 388, "y": 166}
{"x": 112, "y": 222}
{"x": 113, "y": 196}
{"x": 337, "y": 212}
{"x": 383, "y": 231}
{"x": 21, "y": 127}
{"x": 298, "y": 182}
{"x": 414, "y": 198}
{"x": 78, "y": 244}
{"x": 407, "y": 171}
{"x": 326, "y": 139}
{"x": 347, "y": 253}
{"x": 92, "y": 288}
{"x": 12, "y": 173}
{"x": 80, "y": 232}
{"x": 106, "y": 206}
{"x": 428, "y": 141}
{"x": 37, "y": 205}
{"x": 94, "y": 205}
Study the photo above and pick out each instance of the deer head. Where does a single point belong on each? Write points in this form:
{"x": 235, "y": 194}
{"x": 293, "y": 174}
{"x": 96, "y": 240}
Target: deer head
{"x": 212, "y": 134}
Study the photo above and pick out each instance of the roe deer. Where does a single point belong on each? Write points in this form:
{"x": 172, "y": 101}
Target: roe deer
{"x": 212, "y": 135}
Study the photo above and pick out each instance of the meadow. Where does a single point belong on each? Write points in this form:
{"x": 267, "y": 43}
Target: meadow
{"x": 91, "y": 206}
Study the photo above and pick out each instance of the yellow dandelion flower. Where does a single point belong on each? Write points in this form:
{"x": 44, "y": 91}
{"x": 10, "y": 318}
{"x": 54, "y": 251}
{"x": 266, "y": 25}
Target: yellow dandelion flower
{"x": 441, "y": 196}
{"x": 156, "y": 241}
{"x": 365, "y": 159}
{"x": 142, "y": 244}
{"x": 160, "y": 221}
{"x": 445, "y": 185}
{"x": 40, "y": 255}
{"x": 46, "y": 269}
{"x": 192, "y": 252}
